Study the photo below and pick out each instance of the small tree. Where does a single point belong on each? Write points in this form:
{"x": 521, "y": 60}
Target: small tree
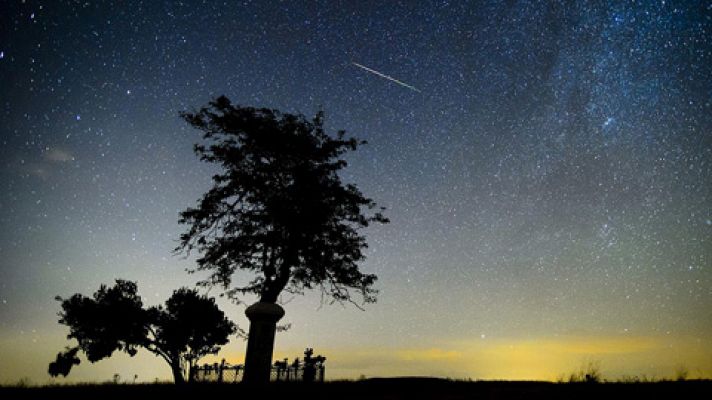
{"x": 278, "y": 209}
{"x": 188, "y": 328}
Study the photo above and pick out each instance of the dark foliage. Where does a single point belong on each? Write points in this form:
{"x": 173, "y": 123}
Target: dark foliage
{"x": 64, "y": 362}
{"x": 112, "y": 319}
{"x": 191, "y": 325}
{"x": 278, "y": 208}
{"x": 188, "y": 328}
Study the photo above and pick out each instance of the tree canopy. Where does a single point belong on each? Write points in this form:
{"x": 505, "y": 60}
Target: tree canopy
{"x": 189, "y": 327}
{"x": 278, "y": 208}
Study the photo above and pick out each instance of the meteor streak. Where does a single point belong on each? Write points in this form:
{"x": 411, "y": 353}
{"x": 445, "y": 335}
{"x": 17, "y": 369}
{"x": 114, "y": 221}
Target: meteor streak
{"x": 390, "y": 78}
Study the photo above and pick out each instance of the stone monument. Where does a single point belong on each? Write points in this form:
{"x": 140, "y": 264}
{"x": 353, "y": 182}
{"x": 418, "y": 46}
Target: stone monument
{"x": 260, "y": 342}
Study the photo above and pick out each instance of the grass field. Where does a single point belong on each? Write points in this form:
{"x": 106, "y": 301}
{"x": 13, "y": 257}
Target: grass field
{"x": 391, "y": 388}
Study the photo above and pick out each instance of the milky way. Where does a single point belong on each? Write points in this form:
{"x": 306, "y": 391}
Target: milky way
{"x": 549, "y": 188}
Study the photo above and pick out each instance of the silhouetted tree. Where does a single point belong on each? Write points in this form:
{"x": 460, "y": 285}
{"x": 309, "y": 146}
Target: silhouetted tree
{"x": 278, "y": 209}
{"x": 188, "y": 328}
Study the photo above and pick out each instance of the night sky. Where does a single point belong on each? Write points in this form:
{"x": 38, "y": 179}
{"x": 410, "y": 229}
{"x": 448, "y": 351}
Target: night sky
{"x": 546, "y": 166}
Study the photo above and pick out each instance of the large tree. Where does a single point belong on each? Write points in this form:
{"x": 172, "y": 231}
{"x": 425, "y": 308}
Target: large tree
{"x": 189, "y": 327}
{"x": 278, "y": 208}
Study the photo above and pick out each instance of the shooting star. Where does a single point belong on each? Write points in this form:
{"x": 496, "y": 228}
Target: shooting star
{"x": 390, "y": 78}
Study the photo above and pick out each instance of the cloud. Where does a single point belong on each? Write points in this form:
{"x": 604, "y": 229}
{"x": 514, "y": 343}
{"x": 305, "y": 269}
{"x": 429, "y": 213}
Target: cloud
{"x": 38, "y": 170}
{"x": 56, "y": 154}
{"x": 42, "y": 165}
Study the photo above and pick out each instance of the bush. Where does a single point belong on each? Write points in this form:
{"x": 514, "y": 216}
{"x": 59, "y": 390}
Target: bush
{"x": 590, "y": 372}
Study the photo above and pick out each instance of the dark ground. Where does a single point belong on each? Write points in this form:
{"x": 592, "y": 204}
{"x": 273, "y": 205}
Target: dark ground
{"x": 397, "y": 388}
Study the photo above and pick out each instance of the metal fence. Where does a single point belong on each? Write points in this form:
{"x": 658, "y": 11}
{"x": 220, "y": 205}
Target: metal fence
{"x": 218, "y": 373}
{"x": 309, "y": 369}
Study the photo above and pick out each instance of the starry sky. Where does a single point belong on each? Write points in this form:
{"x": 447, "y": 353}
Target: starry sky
{"x": 546, "y": 166}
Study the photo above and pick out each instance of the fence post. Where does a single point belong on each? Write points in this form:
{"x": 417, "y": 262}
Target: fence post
{"x": 221, "y": 368}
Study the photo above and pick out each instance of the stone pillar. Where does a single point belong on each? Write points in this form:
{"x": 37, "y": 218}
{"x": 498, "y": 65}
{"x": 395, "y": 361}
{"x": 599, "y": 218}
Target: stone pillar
{"x": 260, "y": 342}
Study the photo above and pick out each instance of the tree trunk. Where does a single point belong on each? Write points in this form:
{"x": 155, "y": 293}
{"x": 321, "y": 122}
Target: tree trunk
{"x": 177, "y": 370}
{"x": 275, "y": 287}
{"x": 260, "y": 342}
{"x": 191, "y": 372}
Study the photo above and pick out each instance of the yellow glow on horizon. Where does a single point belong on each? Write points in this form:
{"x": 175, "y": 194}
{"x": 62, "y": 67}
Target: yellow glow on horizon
{"x": 549, "y": 358}
{"x": 544, "y": 358}
{"x": 433, "y": 354}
